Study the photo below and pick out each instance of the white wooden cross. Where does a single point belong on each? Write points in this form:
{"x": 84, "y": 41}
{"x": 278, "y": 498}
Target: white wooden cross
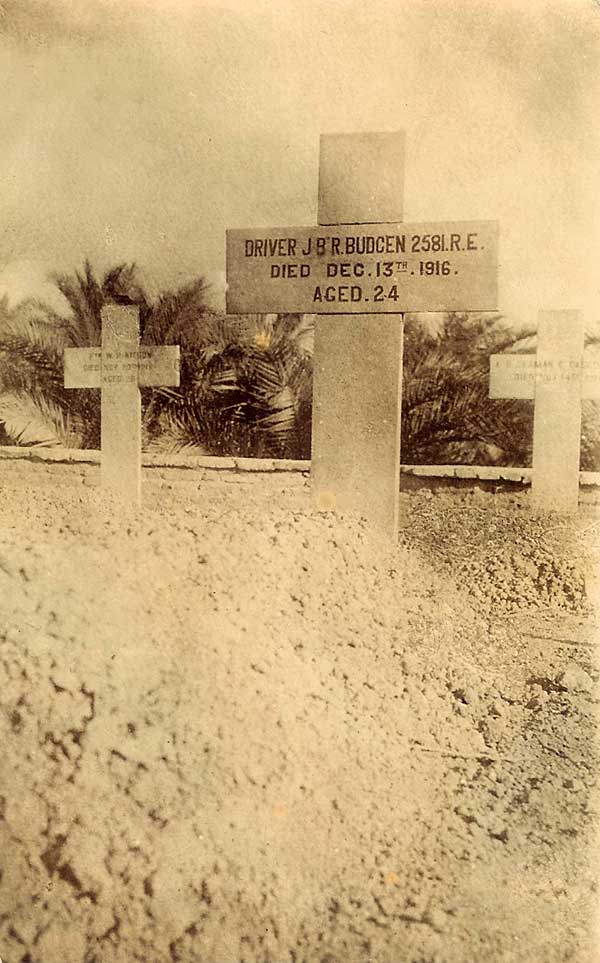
{"x": 363, "y": 268}
{"x": 120, "y": 367}
{"x": 557, "y": 377}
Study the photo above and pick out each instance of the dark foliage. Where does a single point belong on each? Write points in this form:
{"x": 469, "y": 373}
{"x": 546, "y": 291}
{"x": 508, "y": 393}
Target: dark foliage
{"x": 246, "y": 382}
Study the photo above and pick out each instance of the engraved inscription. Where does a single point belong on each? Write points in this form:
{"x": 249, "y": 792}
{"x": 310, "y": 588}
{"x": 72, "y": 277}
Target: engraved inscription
{"x": 364, "y": 269}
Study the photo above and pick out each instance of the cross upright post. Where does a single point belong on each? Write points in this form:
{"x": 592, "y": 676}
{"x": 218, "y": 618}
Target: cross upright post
{"x": 121, "y": 406}
{"x": 357, "y": 386}
{"x": 557, "y": 413}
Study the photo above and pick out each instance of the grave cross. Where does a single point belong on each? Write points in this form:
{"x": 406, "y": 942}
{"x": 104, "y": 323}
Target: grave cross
{"x": 120, "y": 367}
{"x": 363, "y": 268}
{"x": 557, "y": 378}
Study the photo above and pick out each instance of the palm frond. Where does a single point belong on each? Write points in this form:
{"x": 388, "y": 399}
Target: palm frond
{"x": 31, "y": 418}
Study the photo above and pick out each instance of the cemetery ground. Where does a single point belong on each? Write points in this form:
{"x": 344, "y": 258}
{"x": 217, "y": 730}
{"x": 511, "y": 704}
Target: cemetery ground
{"x": 237, "y": 731}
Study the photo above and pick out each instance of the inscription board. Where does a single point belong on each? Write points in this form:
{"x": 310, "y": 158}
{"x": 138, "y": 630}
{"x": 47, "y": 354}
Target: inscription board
{"x": 148, "y": 366}
{"x": 364, "y": 269}
{"x": 516, "y": 375}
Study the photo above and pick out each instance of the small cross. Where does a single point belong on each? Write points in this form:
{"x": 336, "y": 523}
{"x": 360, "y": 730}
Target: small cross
{"x": 120, "y": 367}
{"x": 557, "y": 378}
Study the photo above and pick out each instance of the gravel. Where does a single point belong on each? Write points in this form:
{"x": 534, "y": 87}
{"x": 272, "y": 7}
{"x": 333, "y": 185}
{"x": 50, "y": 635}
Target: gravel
{"x": 236, "y": 732}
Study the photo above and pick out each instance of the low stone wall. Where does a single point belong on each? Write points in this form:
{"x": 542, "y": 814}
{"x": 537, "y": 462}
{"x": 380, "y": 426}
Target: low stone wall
{"x": 413, "y": 476}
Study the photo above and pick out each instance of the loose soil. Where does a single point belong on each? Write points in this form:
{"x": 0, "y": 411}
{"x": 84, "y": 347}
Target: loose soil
{"x": 237, "y": 732}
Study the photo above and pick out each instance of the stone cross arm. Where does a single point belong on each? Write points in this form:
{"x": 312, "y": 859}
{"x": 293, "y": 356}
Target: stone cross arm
{"x": 517, "y": 375}
{"x": 146, "y": 366}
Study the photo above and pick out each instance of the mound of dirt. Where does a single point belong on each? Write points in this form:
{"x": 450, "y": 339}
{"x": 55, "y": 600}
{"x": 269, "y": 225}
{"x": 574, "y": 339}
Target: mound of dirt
{"x": 238, "y": 733}
{"x": 504, "y": 556}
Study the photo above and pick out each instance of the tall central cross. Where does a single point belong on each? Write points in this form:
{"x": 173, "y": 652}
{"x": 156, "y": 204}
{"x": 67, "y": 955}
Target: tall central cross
{"x": 120, "y": 367}
{"x": 362, "y": 268}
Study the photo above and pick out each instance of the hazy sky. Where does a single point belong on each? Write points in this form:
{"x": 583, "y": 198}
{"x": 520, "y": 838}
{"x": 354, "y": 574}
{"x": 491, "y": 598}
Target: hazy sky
{"x": 141, "y": 129}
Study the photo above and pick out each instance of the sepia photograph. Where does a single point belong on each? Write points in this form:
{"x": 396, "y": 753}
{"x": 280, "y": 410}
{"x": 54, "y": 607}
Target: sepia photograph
{"x": 299, "y": 481}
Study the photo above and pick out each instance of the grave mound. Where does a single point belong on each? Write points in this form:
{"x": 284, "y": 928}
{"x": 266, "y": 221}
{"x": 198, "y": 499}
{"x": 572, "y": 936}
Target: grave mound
{"x": 504, "y": 557}
{"x": 242, "y": 733}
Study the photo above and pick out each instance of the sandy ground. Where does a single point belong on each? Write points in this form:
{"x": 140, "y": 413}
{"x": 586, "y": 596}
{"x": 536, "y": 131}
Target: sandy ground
{"x": 235, "y": 732}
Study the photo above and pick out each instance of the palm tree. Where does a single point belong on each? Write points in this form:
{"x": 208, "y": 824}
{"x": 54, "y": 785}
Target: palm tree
{"x": 245, "y": 383}
{"x": 33, "y": 338}
{"x": 447, "y": 415}
{"x": 245, "y": 390}
{"x": 32, "y": 396}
